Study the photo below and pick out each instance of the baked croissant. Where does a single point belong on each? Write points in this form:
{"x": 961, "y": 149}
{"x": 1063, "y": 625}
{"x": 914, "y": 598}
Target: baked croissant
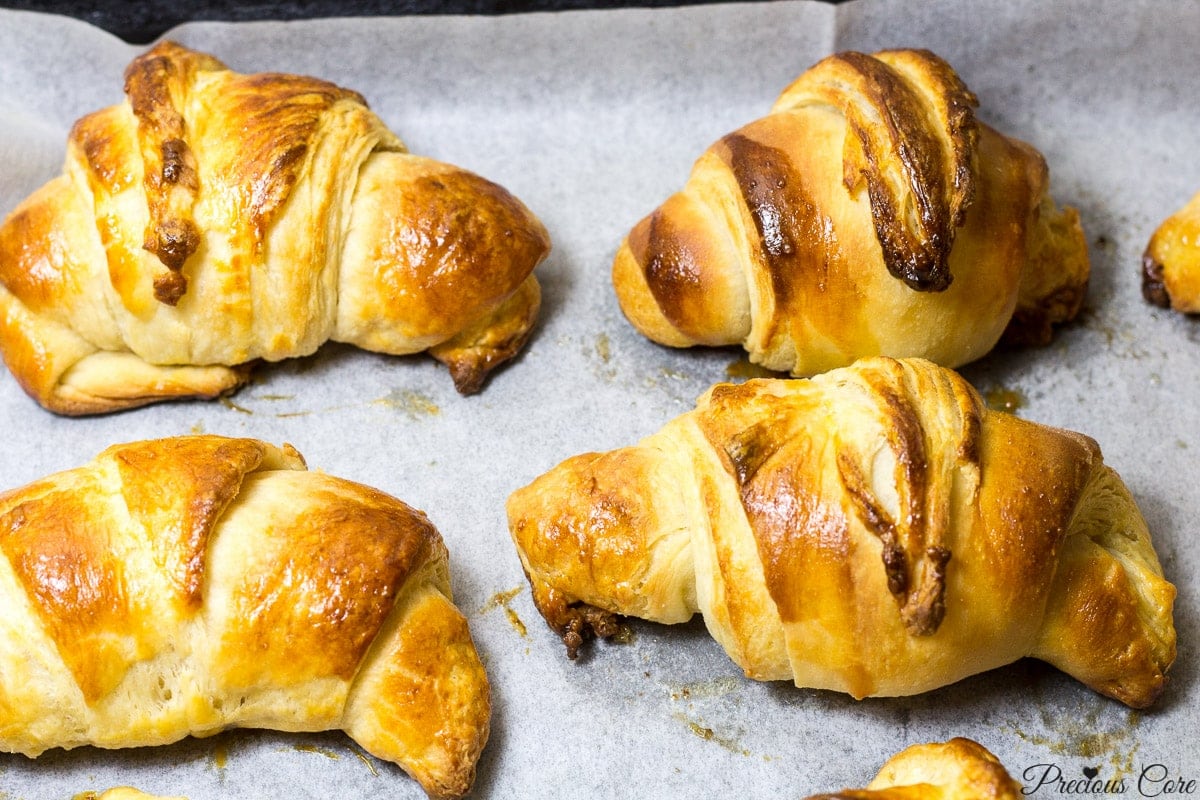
{"x": 182, "y": 586}
{"x": 875, "y": 530}
{"x": 869, "y": 213}
{"x": 214, "y": 218}
{"x": 959, "y": 769}
{"x": 122, "y": 793}
{"x": 1171, "y": 264}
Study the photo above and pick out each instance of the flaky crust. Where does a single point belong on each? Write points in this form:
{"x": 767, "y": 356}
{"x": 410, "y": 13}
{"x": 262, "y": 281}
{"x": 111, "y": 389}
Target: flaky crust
{"x": 875, "y": 530}
{"x": 959, "y": 769}
{"x": 869, "y": 213}
{"x": 183, "y": 586}
{"x": 214, "y": 219}
{"x": 1171, "y": 263}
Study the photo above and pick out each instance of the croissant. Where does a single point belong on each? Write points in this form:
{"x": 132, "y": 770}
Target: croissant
{"x": 122, "y": 793}
{"x": 1171, "y": 263}
{"x": 182, "y": 586}
{"x": 869, "y": 213}
{"x": 959, "y": 769}
{"x": 214, "y": 219}
{"x": 875, "y": 530}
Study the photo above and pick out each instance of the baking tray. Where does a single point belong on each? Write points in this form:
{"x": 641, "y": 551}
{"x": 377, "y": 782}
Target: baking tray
{"x": 592, "y": 118}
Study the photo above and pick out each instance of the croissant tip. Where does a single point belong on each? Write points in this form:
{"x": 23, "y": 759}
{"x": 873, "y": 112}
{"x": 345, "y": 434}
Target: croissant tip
{"x": 588, "y": 622}
{"x": 1154, "y": 289}
{"x": 468, "y": 377}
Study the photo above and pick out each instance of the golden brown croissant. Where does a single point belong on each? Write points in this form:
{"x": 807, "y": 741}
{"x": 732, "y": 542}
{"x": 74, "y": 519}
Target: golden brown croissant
{"x": 875, "y": 530}
{"x": 959, "y": 769}
{"x": 123, "y": 793}
{"x": 215, "y": 218}
{"x": 868, "y": 214}
{"x": 182, "y": 586}
{"x": 1171, "y": 264}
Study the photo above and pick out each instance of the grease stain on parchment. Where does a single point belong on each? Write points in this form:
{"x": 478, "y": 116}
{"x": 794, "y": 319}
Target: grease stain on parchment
{"x": 363, "y": 757}
{"x": 232, "y": 406}
{"x": 1123, "y": 341}
{"x": 502, "y": 600}
{"x": 413, "y": 405}
{"x": 1004, "y": 398}
{"x": 705, "y": 732}
{"x": 603, "y": 347}
{"x": 1083, "y": 736}
{"x": 322, "y": 751}
{"x": 703, "y": 690}
{"x": 219, "y": 757}
{"x": 601, "y": 350}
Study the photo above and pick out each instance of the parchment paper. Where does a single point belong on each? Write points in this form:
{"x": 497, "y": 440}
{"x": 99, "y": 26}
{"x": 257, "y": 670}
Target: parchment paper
{"x": 593, "y": 118}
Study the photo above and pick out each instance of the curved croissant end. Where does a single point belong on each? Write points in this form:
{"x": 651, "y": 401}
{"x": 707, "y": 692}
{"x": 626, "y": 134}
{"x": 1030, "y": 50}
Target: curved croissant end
{"x": 182, "y": 586}
{"x": 959, "y": 769}
{"x": 874, "y": 530}
{"x": 1171, "y": 263}
{"x": 216, "y": 218}
{"x": 869, "y": 213}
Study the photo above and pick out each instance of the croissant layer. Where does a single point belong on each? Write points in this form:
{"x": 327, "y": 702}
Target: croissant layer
{"x": 875, "y": 530}
{"x": 869, "y": 213}
{"x": 214, "y": 219}
{"x": 183, "y": 586}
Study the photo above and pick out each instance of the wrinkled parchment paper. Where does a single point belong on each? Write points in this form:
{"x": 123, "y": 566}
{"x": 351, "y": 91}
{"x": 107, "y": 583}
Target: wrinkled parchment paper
{"x": 592, "y": 118}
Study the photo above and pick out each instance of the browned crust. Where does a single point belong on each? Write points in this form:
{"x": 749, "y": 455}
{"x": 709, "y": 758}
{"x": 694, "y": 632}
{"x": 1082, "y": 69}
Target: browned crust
{"x": 1154, "y": 288}
{"x": 668, "y": 258}
{"x": 1054, "y": 280}
{"x": 909, "y": 545}
{"x": 57, "y": 541}
{"x": 581, "y": 532}
{"x": 1034, "y": 325}
{"x": 1098, "y": 605}
{"x": 447, "y": 259}
{"x": 179, "y": 489}
{"x": 424, "y": 701}
{"x": 795, "y": 243}
{"x": 65, "y": 543}
{"x": 1171, "y": 262}
{"x": 763, "y": 459}
{"x": 155, "y": 83}
{"x": 574, "y": 621}
{"x": 472, "y": 355}
{"x": 312, "y": 607}
{"x": 914, "y": 147}
{"x": 280, "y": 113}
{"x": 335, "y": 573}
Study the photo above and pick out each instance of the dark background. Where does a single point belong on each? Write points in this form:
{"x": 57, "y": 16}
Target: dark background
{"x": 141, "y": 22}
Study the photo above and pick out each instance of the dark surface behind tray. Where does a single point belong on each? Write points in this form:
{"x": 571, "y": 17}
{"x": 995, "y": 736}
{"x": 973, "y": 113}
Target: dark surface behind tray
{"x": 144, "y": 21}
